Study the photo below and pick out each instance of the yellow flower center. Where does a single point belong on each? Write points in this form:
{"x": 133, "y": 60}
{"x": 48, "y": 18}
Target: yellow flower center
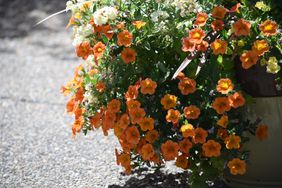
{"x": 201, "y": 19}
{"x": 225, "y": 85}
{"x": 196, "y": 35}
{"x": 268, "y": 27}
{"x": 217, "y": 45}
{"x": 260, "y": 46}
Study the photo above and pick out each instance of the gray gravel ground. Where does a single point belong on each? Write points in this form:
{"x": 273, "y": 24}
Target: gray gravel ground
{"x": 36, "y": 146}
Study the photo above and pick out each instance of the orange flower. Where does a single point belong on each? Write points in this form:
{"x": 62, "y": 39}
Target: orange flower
{"x": 242, "y": 27}
{"x": 118, "y": 131}
{"x": 77, "y": 125}
{"x": 100, "y": 86}
{"x": 147, "y": 152}
{"x": 97, "y": 29}
{"x": 148, "y": 86}
{"x": 262, "y": 132}
{"x": 120, "y": 25}
{"x": 188, "y": 45}
{"x": 200, "y": 135}
{"x": 197, "y": 35}
{"x": 124, "y": 121}
{"x": 221, "y": 105}
{"x": 66, "y": 90}
{"x": 192, "y": 112}
{"x": 152, "y": 136}
{"x": 219, "y": 12}
{"x": 187, "y": 86}
{"x": 217, "y": 25}
{"x": 132, "y": 135}
{"x": 128, "y": 55}
{"x": 169, "y": 101}
{"x": 99, "y": 49}
{"x": 114, "y": 105}
{"x": 126, "y": 146}
{"x": 138, "y": 24}
{"x": 71, "y": 22}
{"x": 147, "y": 124}
{"x": 222, "y": 133}
{"x": 124, "y": 38}
{"x": 203, "y": 46}
{"x": 83, "y": 50}
{"x": 232, "y": 142}
{"x": 172, "y": 116}
{"x": 169, "y": 150}
{"x": 185, "y": 145}
{"x": 211, "y": 148}
{"x": 236, "y": 100}
{"x": 133, "y": 104}
{"x": 107, "y": 31}
{"x": 187, "y": 130}
{"x": 268, "y": 28}
{"x": 156, "y": 159}
{"x": 137, "y": 114}
{"x": 182, "y": 162}
{"x": 201, "y": 19}
{"x": 223, "y": 121}
{"x": 260, "y": 47}
{"x": 224, "y": 86}
{"x": 70, "y": 106}
{"x": 141, "y": 143}
{"x": 180, "y": 76}
{"x": 123, "y": 159}
{"x": 132, "y": 93}
{"x": 237, "y": 166}
{"x": 248, "y": 59}
{"x": 92, "y": 72}
{"x": 95, "y": 121}
{"x": 235, "y": 8}
{"x": 219, "y": 46}
{"x": 108, "y": 121}
{"x": 79, "y": 95}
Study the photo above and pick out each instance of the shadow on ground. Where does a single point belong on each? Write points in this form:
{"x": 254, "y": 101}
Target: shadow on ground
{"x": 144, "y": 178}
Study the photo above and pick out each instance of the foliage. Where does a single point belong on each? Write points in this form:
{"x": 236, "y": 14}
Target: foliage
{"x": 131, "y": 50}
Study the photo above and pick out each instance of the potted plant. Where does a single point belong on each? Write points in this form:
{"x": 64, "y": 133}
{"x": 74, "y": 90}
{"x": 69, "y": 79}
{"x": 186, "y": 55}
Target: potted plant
{"x": 130, "y": 52}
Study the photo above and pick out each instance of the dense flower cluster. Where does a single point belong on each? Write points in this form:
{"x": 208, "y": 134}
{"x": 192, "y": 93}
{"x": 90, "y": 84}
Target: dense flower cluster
{"x": 131, "y": 49}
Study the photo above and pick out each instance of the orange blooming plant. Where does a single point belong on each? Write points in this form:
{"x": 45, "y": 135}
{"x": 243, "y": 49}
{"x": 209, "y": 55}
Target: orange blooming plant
{"x": 130, "y": 50}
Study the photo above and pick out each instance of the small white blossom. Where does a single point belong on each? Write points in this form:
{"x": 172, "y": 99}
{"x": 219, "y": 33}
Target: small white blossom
{"x": 272, "y": 65}
{"x": 81, "y": 32}
{"x": 159, "y": 15}
{"x": 90, "y": 61}
{"x": 103, "y": 15}
{"x": 88, "y": 96}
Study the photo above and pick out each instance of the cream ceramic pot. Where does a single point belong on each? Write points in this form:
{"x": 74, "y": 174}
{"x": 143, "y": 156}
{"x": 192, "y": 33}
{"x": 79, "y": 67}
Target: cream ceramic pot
{"x": 265, "y": 167}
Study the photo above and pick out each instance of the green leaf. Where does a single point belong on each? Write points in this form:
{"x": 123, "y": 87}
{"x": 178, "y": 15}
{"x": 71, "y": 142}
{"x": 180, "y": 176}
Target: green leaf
{"x": 228, "y": 64}
{"x": 229, "y": 51}
{"x": 199, "y": 183}
{"x": 220, "y": 59}
{"x": 218, "y": 163}
{"x": 209, "y": 172}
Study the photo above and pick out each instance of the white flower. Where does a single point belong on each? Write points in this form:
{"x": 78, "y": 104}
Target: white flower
{"x": 90, "y": 61}
{"x": 272, "y": 65}
{"x": 103, "y": 15}
{"x": 112, "y": 13}
{"x": 88, "y": 87}
{"x": 88, "y": 96}
{"x": 159, "y": 15}
{"x": 99, "y": 18}
{"x": 80, "y": 33}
